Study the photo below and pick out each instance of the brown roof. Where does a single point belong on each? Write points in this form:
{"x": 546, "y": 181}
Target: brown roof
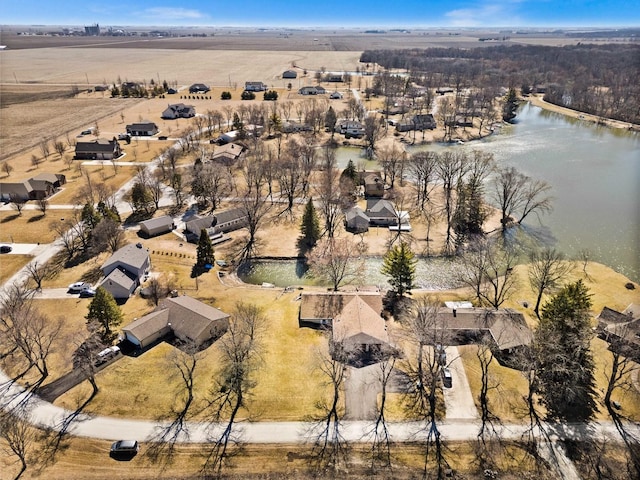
{"x": 146, "y": 326}
{"x": 506, "y": 326}
{"x": 358, "y": 323}
{"x": 190, "y": 317}
{"x": 327, "y": 305}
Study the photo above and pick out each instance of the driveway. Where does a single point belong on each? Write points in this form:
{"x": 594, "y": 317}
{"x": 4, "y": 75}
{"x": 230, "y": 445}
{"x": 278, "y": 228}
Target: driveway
{"x": 48, "y": 293}
{"x": 361, "y": 388}
{"x": 21, "y": 248}
{"x": 458, "y": 399}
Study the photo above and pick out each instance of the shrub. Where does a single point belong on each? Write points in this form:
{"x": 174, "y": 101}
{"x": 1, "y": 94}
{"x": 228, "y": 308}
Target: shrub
{"x": 271, "y": 95}
{"x": 225, "y": 96}
{"x": 246, "y": 95}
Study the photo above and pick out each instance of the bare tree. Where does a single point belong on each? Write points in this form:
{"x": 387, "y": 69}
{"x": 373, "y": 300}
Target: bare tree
{"x": 424, "y": 331}
{"x": 107, "y": 235}
{"x": 39, "y": 272}
{"x": 289, "y": 174}
{"x": 45, "y": 149}
{"x": 330, "y": 448}
{"x": 158, "y": 287}
{"x": 547, "y": 269}
{"x": 336, "y": 260}
{"x": 59, "y": 147}
{"x": 328, "y": 193}
{"x": 7, "y": 168}
{"x": 17, "y": 202}
{"x": 19, "y": 437}
{"x": 489, "y": 271}
{"x": 239, "y": 361}
{"x": 450, "y": 168}
{"x": 517, "y": 196}
{"x": 391, "y": 159}
{"x": 373, "y": 131}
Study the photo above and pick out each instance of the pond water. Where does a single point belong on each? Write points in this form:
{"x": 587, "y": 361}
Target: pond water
{"x": 594, "y": 172}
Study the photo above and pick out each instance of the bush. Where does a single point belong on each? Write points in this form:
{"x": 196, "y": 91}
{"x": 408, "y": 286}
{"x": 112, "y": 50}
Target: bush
{"x": 225, "y": 96}
{"x": 246, "y": 95}
{"x": 271, "y": 95}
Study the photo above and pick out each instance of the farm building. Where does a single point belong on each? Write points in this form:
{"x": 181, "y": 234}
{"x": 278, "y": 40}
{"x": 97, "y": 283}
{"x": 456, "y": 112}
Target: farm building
{"x": 100, "y": 149}
{"x": 157, "y": 226}
{"x": 289, "y": 74}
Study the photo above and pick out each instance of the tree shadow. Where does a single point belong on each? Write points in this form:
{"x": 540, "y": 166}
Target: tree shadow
{"x": 36, "y": 219}
{"x": 10, "y": 218}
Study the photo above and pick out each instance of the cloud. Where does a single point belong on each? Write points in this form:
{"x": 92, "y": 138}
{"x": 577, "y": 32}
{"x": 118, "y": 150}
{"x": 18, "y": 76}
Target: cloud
{"x": 490, "y": 13}
{"x": 171, "y": 14}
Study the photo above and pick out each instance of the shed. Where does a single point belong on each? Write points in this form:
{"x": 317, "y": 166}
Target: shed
{"x": 157, "y": 226}
{"x": 289, "y": 74}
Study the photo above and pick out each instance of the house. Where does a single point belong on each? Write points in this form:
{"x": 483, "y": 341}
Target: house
{"x": 199, "y": 88}
{"x": 255, "y": 87}
{"x": 335, "y": 96}
{"x": 443, "y": 90}
{"x": 320, "y": 308}
{"x": 145, "y": 128}
{"x": 311, "y": 90}
{"x": 621, "y": 330}
{"x": 359, "y": 329}
{"x": 100, "y": 149}
{"x": 417, "y": 122}
{"x": 123, "y": 270}
{"x": 351, "y": 128}
{"x": 228, "y": 154}
{"x": 354, "y": 318}
{"x": 381, "y": 212}
{"x": 335, "y": 77}
{"x": 356, "y": 221}
{"x": 373, "y": 184}
{"x": 188, "y": 319}
{"x": 294, "y": 127}
{"x": 230, "y": 220}
{"x": 194, "y": 225}
{"x": 289, "y": 74}
{"x": 157, "y": 226}
{"x": 506, "y": 327}
{"x": 179, "y": 110}
{"x": 39, "y": 187}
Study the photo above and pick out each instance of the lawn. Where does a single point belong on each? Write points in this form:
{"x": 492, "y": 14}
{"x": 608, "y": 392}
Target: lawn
{"x": 10, "y": 264}
{"x": 30, "y": 227}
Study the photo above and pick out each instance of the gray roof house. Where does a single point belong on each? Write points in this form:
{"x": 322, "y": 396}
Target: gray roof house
{"x": 373, "y": 184}
{"x": 100, "y": 149}
{"x": 145, "y": 128}
{"x": 621, "y": 330}
{"x": 381, "y": 212}
{"x": 320, "y": 308}
{"x": 255, "y": 87}
{"x": 216, "y": 224}
{"x": 199, "y": 88}
{"x": 39, "y": 187}
{"x": 312, "y": 90}
{"x": 289, "y": 74}
{"x": 417, "y": 122}
{"x": 356, "y": 221}
{"x": 124, "y": 269}
{"x": 195, "y": 223}
{"x": 157, "y": 226}
{"x": 230, "y": 220}
{"x": 190, "y": 320}
{"x": 179, "y": 110}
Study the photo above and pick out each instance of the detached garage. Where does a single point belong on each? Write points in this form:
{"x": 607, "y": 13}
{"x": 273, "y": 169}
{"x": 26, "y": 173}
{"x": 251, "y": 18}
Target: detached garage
{"x": 148, "y": 329}
{"x": 157, "y": 226}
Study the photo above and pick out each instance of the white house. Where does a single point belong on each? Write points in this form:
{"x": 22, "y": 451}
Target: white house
{"x": 123, "y": 270}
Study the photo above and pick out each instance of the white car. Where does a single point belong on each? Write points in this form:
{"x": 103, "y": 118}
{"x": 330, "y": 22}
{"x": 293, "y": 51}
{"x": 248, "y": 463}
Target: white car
{"x": 78, "y": 287}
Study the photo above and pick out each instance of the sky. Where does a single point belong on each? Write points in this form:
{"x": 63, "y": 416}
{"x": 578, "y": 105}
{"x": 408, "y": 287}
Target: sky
{"x": 326, "y": 13}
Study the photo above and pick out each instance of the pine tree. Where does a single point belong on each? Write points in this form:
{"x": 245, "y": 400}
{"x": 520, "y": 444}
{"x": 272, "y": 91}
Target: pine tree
{"x": 400, "y": 264}
{"x": 310, "y": 226}
{"x": 105, "y": 313}
{"x": 566, "y": 365}
{"x": 510, "y": 106}
{"x": 205, "y": 250}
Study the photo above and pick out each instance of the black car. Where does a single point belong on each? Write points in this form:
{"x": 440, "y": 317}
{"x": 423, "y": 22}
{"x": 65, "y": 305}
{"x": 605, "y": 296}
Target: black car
{"x": 5, "y": 248}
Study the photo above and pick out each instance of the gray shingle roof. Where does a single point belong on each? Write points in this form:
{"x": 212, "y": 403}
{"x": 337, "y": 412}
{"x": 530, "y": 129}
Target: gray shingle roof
{"x": 134, "y": 255}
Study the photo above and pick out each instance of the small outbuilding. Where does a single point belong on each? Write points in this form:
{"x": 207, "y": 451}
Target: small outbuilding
{"x": 290, "y": 74}
{"x": 145, "y": 128}
{"x": 356, "y": 221}
{"x": 157, "y": 226}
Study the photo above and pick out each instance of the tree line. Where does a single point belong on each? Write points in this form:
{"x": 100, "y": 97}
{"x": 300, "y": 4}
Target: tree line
{"x": 596, "y": 79}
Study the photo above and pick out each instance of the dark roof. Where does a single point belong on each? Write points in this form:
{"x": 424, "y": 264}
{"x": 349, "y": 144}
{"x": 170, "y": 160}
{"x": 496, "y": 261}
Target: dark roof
{"x": 229, "y": 215}
{"x": 196, "y": 223}
{"x": 152, "y": 223}
{"x": 289, "y": 74}
{"x": 380, "y": 207}
{"x": 144, "y": 125}
{"x": 99, "y": 145}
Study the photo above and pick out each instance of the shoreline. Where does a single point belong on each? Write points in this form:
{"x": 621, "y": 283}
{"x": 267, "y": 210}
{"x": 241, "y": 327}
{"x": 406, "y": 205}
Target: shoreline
{"x": 538, "y": 101}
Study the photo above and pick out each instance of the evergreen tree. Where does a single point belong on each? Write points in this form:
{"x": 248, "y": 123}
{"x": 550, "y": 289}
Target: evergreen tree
{"x": 205, "y": 250}
{"x": 330, "y": 120}
{"x": 400, "y": 264}
{"x": 565, "y": 362}
{"x": 105, "y": 313}
{"x": 510, "y": 106}
{"x": 310, "y": 226}
{"x": 89, "y": 216}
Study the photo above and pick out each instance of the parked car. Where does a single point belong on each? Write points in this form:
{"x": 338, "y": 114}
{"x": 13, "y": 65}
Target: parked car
{"x": 446, "y": 378}
{"x": 78, "y": 287}
{"x": 107, "y": 354}
{"x": 5, "y": 248}
{"x": 87, "y": 292}
{"x": 125, "y": 447}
